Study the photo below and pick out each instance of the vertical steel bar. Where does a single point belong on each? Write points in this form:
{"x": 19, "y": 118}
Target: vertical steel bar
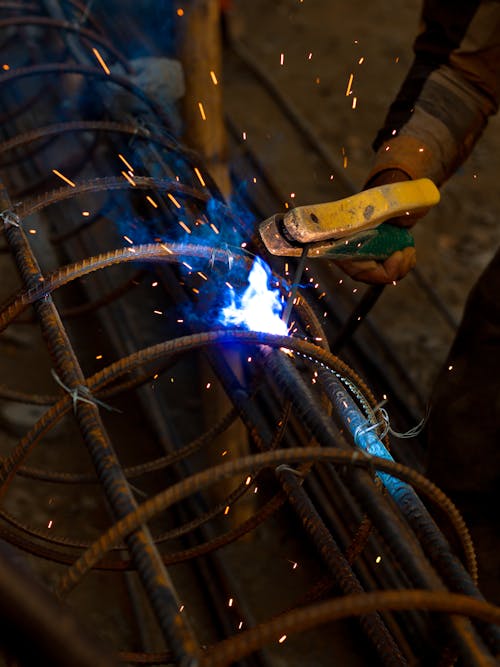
{"x": 372, "y": 624}
{"x": 152, "y": 572}
{"x": 401, "y": 541}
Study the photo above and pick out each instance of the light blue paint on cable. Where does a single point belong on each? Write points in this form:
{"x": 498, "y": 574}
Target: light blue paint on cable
{"x": 370, "y": 443}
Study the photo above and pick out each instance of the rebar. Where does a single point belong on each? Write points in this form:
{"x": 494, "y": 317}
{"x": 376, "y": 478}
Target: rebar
{"x": 150, "y": 257}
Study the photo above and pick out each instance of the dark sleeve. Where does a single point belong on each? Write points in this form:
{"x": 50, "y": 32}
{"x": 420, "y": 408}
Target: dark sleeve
{"x": 453, "y": 86}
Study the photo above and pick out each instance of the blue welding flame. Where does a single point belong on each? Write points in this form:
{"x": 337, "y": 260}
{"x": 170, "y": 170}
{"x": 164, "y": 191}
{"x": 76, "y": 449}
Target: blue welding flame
{"x": 259, "y": 308}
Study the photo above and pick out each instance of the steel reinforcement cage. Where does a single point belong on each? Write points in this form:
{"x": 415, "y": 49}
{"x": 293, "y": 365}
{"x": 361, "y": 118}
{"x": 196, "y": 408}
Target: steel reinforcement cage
{"x": 102, "y": 205}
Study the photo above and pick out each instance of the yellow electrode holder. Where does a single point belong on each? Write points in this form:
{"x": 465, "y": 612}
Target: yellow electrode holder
{"x": 350, "y": 226}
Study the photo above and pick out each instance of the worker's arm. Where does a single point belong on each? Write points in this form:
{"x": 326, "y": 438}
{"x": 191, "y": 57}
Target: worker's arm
{"x": 441, "y": 110}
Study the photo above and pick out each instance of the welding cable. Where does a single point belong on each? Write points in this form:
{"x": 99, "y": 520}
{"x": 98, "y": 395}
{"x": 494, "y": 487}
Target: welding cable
{"x": 59, "y": 69}
{"x": 177, "y": 492}
{"x": 58, "y": 24}
{"x": 245, "y": 642}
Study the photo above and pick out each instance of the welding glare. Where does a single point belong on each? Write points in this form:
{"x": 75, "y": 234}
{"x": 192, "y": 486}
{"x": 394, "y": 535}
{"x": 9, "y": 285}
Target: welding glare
{"x": 259, "y": 307}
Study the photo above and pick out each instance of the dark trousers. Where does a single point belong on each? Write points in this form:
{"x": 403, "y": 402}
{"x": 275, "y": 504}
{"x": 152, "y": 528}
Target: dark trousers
{"x": 464, "y": 423}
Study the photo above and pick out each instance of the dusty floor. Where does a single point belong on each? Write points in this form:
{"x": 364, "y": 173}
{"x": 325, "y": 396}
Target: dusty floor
{"x": 309, "y": 49}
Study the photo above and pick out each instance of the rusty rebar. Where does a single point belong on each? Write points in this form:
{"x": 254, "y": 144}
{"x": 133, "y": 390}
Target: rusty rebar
{"x": 272, "y": 397}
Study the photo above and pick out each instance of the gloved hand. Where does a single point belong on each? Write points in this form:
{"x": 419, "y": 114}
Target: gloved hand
{"x": 399, "y": 263}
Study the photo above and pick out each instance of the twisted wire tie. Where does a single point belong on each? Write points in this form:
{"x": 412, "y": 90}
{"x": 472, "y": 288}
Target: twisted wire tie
{"x": 385, "y": 421}
{"x": 10, "y": 219}
{"x": 81, "y": 393}
{"x": 286, "y": 468}
{"x": 411, "y": 433}
{"x": 362, "y": 429}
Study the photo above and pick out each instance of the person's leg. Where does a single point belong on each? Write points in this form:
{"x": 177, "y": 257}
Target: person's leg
{"x": 463, "y": 431}
{"x": 464, "y": 423}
